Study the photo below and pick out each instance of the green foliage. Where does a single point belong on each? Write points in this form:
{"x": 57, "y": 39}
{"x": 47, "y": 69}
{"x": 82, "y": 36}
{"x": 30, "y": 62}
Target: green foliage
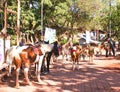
{"x": 48, "y": 2}
{"x": 13, "y": 40}
{"x": 63, "y": 41}
{"x": 115, "y": 18}
{"x": 75, "y": 41}
{"x": 87, "y": 14}
{"x": 10, "y": 31}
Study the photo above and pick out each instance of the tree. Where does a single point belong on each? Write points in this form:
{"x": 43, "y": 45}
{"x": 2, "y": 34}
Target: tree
{"x": 89, "y": 14}
{"x": 66, "y": 16}
{"x": 115, "y": 18}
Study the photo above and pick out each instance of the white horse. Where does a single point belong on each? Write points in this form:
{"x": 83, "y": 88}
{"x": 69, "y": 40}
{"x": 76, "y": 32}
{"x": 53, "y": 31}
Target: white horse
{"x": 66, "y": 50}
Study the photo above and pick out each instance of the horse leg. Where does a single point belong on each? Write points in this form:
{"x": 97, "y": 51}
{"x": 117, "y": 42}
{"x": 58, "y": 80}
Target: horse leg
{"x": 77, "y": 61}
{"x": 9, "y": 70}
{"x": 55, "y": 58}
{"x": 74, "y": 64}
{"x": 36, "y": 65}
{"x": 89, "y": 59}
{"x": 39, "y": 68}
{"x": 17, "y": 62}
{"x": 48, "y": 61}
{"x": 17, "y": 77}
{"x": 26, "y": 75}
{"x": 92, "y": 58}
{"x": 42, "y": 67}
{"x": 9, "y": 60}
{"x": 63, "y": 56}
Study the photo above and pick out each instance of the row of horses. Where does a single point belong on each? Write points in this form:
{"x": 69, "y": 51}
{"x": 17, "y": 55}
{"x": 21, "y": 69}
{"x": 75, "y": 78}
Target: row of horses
{"x": 83, "y": 51}
{"x": 25, "y": 56}
{"x": 76, "y": 52}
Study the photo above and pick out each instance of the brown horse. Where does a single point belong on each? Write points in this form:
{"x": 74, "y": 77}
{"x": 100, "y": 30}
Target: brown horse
{"x": 88, "y": 51}
{"x": 98, "y": 48}
{"x": 91, "y": 53}
{"x": 75, "y": 54}
{"x": 24, "y": 56}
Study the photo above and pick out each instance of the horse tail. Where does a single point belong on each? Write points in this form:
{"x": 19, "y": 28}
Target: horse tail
{"x": 9, "y": 58}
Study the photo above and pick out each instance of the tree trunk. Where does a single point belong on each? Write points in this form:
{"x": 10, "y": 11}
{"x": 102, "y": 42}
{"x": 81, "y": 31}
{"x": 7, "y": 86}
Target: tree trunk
{"x": 18, "y": 21}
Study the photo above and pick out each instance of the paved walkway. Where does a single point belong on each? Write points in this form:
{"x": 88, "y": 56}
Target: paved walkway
{"x": 97, "y": 77}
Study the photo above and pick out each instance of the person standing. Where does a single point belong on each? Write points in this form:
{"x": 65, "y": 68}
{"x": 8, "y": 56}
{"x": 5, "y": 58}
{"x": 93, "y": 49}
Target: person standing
{"x": 112, "y": 45}
{"x": 56, "y": 50}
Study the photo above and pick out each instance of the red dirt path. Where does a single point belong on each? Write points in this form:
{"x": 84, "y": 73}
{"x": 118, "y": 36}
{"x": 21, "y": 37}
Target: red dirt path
{"x": 101, "y": 76}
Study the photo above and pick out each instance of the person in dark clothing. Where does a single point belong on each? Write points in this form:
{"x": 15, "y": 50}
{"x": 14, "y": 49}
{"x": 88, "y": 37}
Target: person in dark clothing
{"x": 112, "y": 46}
{"x": 55, "y": 50}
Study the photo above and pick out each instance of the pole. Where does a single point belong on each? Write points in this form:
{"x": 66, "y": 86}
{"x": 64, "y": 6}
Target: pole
{"x": 110, "y": 19}
{"x": 5, "y": 27}
{"x": 1, "y": 10}
{"x": 4, "y": 30}
{"x": 73, "y": 18}
{"x": 5, "y": 17}
{"x": 18, "y": 22}
{"x": 42, "y": 34}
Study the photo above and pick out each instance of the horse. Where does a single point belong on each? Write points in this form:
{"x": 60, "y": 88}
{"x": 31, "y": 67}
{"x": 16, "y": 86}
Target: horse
{"x": 24, "y": 56}
{"x": 66, "y": 50}
{"x": 49, "y": 48}
{"x": 91, "y": 52}
{"x": 75, "y": 54}
{"x": 52, "y": 52}
{"x": 48, "y": 51}
{"x": 98, "y": 48}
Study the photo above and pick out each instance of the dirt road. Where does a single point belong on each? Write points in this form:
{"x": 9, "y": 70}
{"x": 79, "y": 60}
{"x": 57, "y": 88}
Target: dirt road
{"x": 101, "y": 76}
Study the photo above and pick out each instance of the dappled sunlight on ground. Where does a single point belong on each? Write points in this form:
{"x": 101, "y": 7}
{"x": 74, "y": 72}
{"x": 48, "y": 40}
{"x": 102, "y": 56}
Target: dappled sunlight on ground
{"x": 97, "y": 77}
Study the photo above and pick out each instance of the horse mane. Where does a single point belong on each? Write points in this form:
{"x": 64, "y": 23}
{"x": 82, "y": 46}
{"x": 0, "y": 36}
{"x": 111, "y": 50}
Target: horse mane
{"x": 28, "y": 44}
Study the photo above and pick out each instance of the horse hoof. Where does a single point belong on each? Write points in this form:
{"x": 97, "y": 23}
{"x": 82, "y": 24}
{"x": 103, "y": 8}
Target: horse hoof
{"x": 30, "y": 84}
{"x": 73, "y": 69}
{"x": 42, "y": 82}
{"x": 39, "y": 81}
{"x": 17, "y": 87}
